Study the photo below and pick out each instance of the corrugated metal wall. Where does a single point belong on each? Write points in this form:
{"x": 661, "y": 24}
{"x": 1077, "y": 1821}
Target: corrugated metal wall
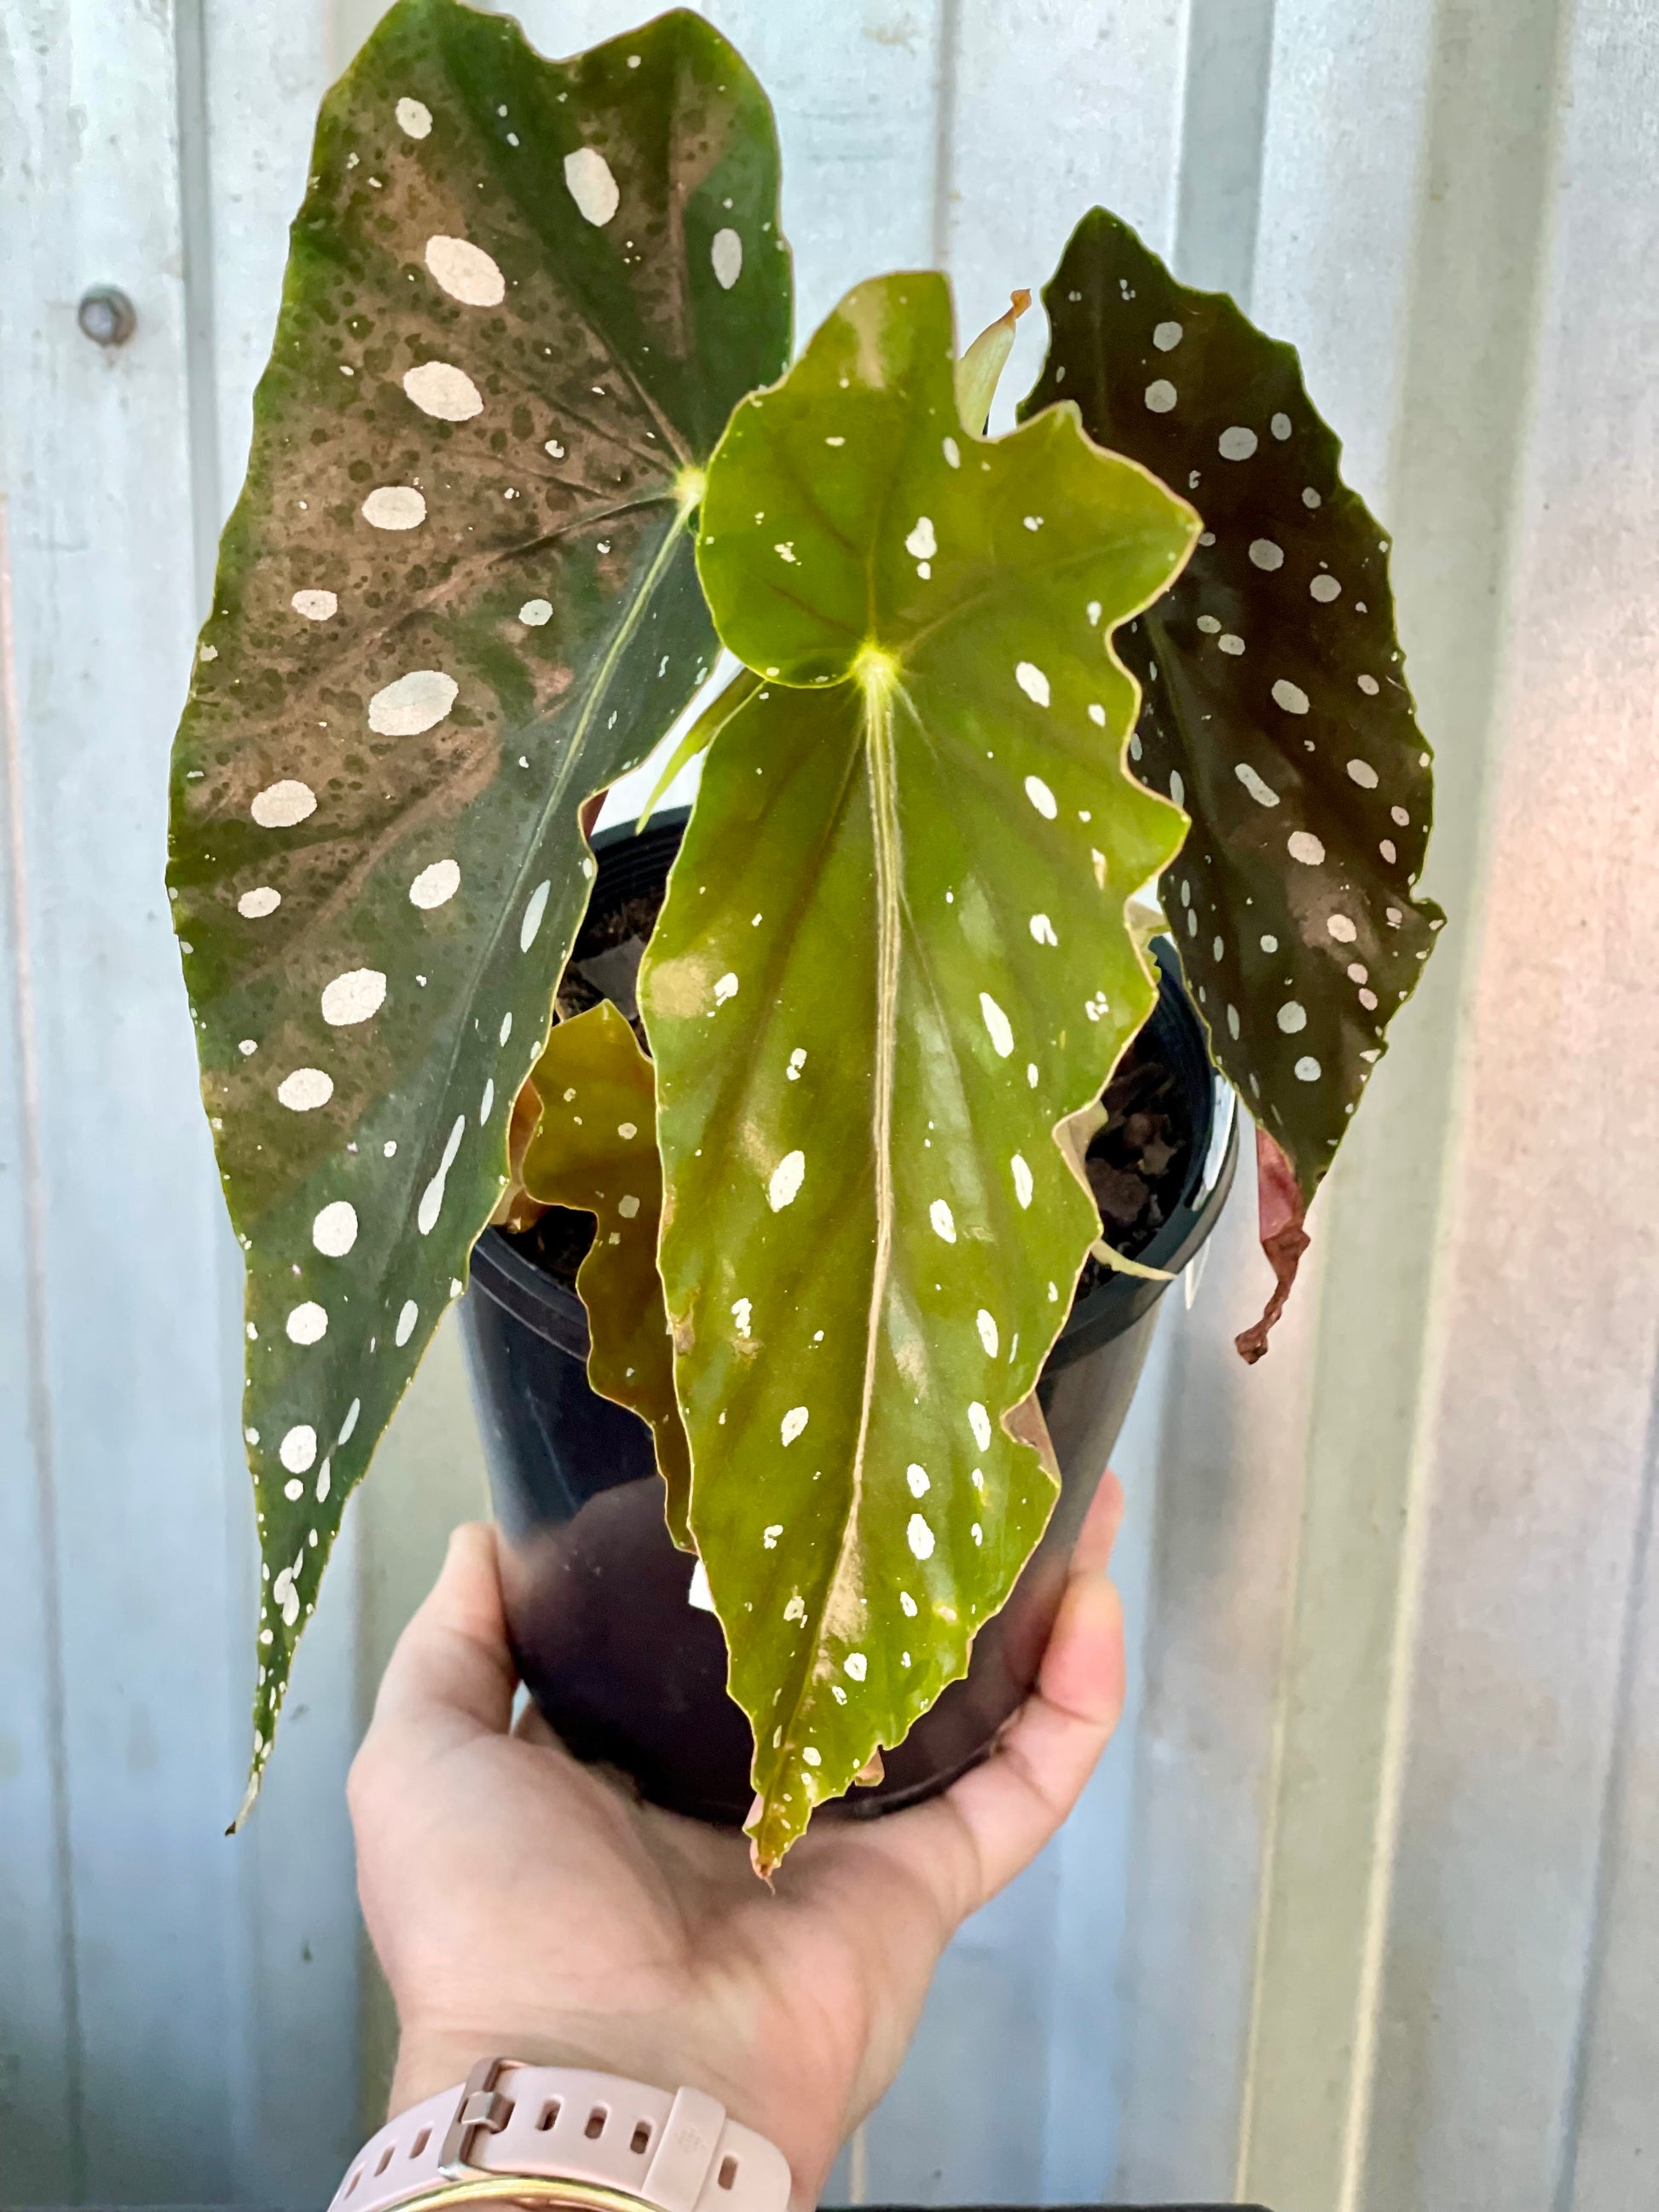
{"x": 1362, "y": 1910}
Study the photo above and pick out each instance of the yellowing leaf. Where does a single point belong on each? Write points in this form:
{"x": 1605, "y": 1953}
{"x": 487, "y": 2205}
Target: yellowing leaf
{"x": 595, "y": 1149}
{"x": 893, "y": 959}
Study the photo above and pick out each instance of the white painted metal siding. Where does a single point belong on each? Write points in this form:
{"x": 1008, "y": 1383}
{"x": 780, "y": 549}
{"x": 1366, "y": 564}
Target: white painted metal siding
{"x": 1363, "y": 1909}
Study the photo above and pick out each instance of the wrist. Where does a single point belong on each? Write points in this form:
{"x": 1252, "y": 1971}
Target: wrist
{"x": 433, "y": 2058}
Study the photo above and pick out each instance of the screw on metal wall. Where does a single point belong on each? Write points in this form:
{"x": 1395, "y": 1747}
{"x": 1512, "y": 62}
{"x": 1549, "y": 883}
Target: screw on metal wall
{"x": 106, "y": 315}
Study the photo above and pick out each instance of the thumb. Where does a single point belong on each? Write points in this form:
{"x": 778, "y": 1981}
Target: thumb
{"x": 453, "y": 1658}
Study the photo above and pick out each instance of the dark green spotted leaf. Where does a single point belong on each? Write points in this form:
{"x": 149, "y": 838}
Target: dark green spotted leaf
{"x": 595, "y": 1149}
{"x": 1276, "y": 710}
{"x": 458, "y": 595}
{"x": 893, "y": 959}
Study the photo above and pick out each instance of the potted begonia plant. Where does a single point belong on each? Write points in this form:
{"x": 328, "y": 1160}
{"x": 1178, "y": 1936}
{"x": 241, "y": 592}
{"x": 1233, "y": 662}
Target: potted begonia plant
{"x": 855, "y": 1089}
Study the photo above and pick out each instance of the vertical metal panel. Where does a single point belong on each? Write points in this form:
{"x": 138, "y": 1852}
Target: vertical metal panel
{"x": 1540, "y": 1450}
{"x": 40, "y": 2032}
{"x": 97, "y": 467}
{"x": 1335, "y": 246}
{"x": 1400, "y": 220}
{"x": 1613, "y": 2142}
{"x": 1229, "y": 1509}
{"x": 1223, "y": 119}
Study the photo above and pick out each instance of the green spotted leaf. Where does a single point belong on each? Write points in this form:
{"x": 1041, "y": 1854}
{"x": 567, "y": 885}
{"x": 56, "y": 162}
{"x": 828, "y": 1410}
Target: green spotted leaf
{"x": 1276, "y": 710}
{"x": 893, "y": 959}
{"x": 458, "y": 595}
{"x": 595, "y": 1149}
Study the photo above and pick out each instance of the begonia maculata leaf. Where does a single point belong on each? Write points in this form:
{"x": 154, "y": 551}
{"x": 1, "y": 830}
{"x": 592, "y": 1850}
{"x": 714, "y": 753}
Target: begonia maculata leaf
{"x": 458, "y": 596}
{"x": 1275, "y": 706}
{"x": 893, "y": 960}
{"x": 595, "y": 1149}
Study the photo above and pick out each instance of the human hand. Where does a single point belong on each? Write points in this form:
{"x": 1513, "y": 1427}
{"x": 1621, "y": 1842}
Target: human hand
{"x": 524, "y": 1905}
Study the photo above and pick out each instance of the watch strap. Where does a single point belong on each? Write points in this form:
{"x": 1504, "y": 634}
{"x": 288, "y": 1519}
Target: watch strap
{"x": 677, "y": 2152}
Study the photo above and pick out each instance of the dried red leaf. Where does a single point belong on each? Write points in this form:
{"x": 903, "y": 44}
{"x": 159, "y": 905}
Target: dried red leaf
{"x": 1284, "y": 1239}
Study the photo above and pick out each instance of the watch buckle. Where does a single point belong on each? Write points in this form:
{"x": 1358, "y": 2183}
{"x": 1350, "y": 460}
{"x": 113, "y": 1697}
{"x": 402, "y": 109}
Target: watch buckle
{"x": 481, "y": 2105}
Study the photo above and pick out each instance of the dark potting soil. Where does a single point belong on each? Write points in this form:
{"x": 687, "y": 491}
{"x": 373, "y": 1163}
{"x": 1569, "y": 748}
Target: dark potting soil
{"x": 1136, "y": 1163}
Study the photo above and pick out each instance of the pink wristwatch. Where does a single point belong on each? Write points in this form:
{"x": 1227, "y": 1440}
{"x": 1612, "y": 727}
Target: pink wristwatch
{"x": 552, "y": 2134}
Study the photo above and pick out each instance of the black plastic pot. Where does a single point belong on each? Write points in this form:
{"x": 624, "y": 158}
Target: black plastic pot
{"x": 624, "y": 1663}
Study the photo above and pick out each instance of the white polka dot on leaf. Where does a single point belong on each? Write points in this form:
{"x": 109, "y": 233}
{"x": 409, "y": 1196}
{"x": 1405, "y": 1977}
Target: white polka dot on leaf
{"x": 784, "y": 1184}
{"x": 395, "y": 506}
{"x": 283, "y": 805}
{"x": 1262, "y": 792}
{"x": 441, "y": 390}
{"x": 997, "y": 1025}
{"x": 532, "y": 916}
{"x": 726, "y": 257}
{"x": 413, "y": 704}
{"x": 435, "y": 886}
{"x": 335, "y": 1230}
{"x": 466, "y": 271}
{"x": 354, "y": 997}
{"x": 308, "y": 1323}
{"x": 305, "y": 1090}
{"x": 588, "y": 178}
{"x": 298, "y": 1449}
